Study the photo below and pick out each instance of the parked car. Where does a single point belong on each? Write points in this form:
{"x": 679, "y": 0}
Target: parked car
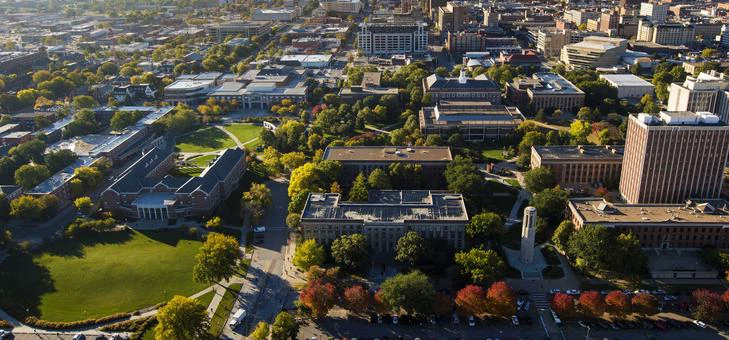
{"x": 471, "y": 321}
{"x": 670, "y": 298}
{"x": 699, "y": 323}
{"x": 573, "y": 292}
{"x": 6, "y": 335}
{"x": 79, "y": 336}
{"x": 456, "y": 321}
{"x": 395, "y": 319}
{"x": 514, "y": 320}
{"x": 554, "y": 291}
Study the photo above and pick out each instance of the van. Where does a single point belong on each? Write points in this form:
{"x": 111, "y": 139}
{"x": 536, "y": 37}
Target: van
{"x": 237, "y": 318}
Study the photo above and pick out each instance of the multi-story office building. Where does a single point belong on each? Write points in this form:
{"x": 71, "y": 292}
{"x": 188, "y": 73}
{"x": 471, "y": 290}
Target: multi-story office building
{"x": 341, "y": 6}
{"x": 594, "y": 52}
{"x": 274, "y": 14}
{"x": 580, "y": 164}
{"x": 691, "y": 225}
{"x": 654, "y": 11}
{"x": 628, "y": 85}
{"x": 609, "y": 21}
{"x": 545, "y": 91}
{"x": 673, "y": 157}
{"x": 364, "y": 159}
{"x": 474, "y": 121}
{"x": 452, "y": 16}
{"x": 673, "y": 34}
{"x": 259, "y": 89}
{"x": 550, "y": 40}
{"x": 385, "y": 38}
{"x": 385, "y": 217}
{"x": 696, "y": 94}
{"x": 462, "y": 42}
{"x": 462, "y": 88}
{"x": 247, "y": 29}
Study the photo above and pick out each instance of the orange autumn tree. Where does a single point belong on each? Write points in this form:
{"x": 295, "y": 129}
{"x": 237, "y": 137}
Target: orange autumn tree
{"x": 471, "y": 300}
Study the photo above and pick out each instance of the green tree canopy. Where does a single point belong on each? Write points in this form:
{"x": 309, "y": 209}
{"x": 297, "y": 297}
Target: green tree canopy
{"x": 410, "y": 292}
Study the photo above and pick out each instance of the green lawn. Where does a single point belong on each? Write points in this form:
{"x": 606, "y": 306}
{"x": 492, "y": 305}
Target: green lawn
{"x": 205, "y": 139}
{"x": 218, "y": 321}
{"x": 206, "y": 298}
{"x": 201, "y": 161}
{"x": 493, "y": 155}
{"x": 99, "y": 275}
{"x": 244, "y": 132}
{"x": 185, "y": 171}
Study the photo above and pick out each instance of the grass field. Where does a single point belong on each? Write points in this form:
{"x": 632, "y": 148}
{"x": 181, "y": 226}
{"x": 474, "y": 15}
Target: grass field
{"x": 99, "y": 275}
{"x": 186, "y": 171}
{"x": 245, "y": 133}
{"x": 201, "y": 161}
{"x": 205, "y": 139}
{"x": 218, "y": 321}
{"x": 493, "y": 155}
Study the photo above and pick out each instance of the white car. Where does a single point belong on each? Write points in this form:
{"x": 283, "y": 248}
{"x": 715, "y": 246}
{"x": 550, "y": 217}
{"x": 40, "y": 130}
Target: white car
{"x": 670, "y": 298}
{"x": 554, "y": 291}
{"x": 573, "y": 292}
{"x": 699, "y": 323}
{"x": 514, "y": 320}
{"x": 641, "y": 291}
{"x": 395, "y": 319}
{"x": 259, "y": 229}
{"x": 471, "y": 321}
{"x": 79, "y": 337}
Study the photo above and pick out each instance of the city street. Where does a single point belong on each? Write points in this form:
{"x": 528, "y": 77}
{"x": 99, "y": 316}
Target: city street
{"x": 265, "y": 291}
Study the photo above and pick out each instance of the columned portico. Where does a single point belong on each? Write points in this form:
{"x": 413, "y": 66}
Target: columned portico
{"x": 155, "y": 205}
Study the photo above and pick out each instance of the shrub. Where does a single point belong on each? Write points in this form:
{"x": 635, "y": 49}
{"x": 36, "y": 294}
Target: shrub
{"x": 84, "y": 225}
{"x": 44, "y": 324}
{"x": 132, "y": 325}
{"x": 5, "y": 325}
{"x": 550, "y": 256}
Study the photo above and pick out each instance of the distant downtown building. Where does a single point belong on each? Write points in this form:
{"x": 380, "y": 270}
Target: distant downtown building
{"x": 480, "y": 88}
{"x": 341, "y": 6}
{"x": 580, "y": 164}
{"x": 462, "y": 42}
{"x": 364, "y": 159}
{"x": 550, "y": 40}
{"x": 387, "y": 38}
{"x": 385, "y": 217}
{"x": 475, "y": 121}
{"x": 247, "y": 29}
{"x": 673, "y": 157}
{"x": 697, "y": 94}
{"x": 545, "y": 91}
{"x": 672, "y": 34}
{"x": 594, "y": 52}
{"x": 145, "y": 190}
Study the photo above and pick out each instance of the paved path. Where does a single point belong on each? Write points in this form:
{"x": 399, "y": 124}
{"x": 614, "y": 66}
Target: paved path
{"x": 231, "y": 135}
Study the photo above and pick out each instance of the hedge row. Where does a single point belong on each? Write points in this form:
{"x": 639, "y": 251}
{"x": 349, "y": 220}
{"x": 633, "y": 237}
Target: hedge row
{"x": 43, "y": 324}
{"x": 147, "y": 326}
{"x": 133, "y": 325}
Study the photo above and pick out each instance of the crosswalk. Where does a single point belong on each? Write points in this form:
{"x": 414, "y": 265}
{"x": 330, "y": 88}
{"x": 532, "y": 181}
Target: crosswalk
{"x": 540, "y": 300}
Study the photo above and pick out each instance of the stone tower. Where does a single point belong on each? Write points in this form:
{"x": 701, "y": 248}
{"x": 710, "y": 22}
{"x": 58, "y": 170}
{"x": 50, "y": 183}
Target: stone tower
{"x": 528, "y": 233}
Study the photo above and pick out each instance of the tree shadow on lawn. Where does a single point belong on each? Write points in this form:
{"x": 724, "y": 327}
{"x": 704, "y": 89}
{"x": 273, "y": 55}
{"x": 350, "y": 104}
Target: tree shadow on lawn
{"x": 22, "y": 285}
{"x": 74, "y": 247}
{"x": 209, "y": 138}
{"x": 170, "y": 237}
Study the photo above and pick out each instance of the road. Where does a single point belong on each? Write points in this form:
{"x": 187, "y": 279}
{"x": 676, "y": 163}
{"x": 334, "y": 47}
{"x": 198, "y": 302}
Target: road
{"x": 264, "y": 291}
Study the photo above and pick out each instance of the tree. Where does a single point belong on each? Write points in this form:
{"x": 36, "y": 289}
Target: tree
{"x": 272, "y": 160}
{"x": 725, "y": 297}
{"x": 562, "y": 234}
{"x": 411, "y": 292}
{"x": 709, "y": 306}
{"x": 357, "y": 299}
{"x": 486, "y": 226}
{"x": 579, "y": 130}
{"x": 182, "y": 119}
{"x": 41, "y": 76}
{"x": 84, "y": 122}
{"x": 378, "y": 179}
{"x": 591, "y": 247}
{"x": 319, "y": 297}
{"x": 359, "y": 192}
{"x": 122, "y": 119}
{"x": 308, "y": 254}
{"x": 471, "y": 300}
{"x": 480, "y": 265}
{"x": 293, "y": 160}
{"x": 707, "y": 53}
{"x": 351, "y": 251}
{"x": 284, "y": 327}
{"x": 84, "y": 102}
{"x": 550, "y": 203}
{"x": 564, "y": 305}
{"x": 88, "y": 177}
{"x": 31, "y": 150}
{"x": 30, "y": 175}
{"x": 644, "y": 304}
{"x": 410, "y": 248}
{"x": 463, "y": 176}
{"x": 257, "y": 200}
{"x": 216, "y": 259}
{"x": 501, "y": 299}
{"x": 538, "y": 179}
{"x": 59, "y": 159}
{"x": 591, "y": 303}
{"x": 214, "y": 223}
{"x": 617, "y": 303}
{"x": 83, "y": 204}
{"x": 261, "y": 331}
{"x": 443, "y": 305}
{"x": 182, "y": 318}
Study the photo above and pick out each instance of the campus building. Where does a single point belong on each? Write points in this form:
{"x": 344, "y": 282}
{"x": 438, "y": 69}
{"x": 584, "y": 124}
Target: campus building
{"x": 693, "y": 224}
{"x": 628, "y": 85}
{"x": 387, "y": 38}
{"x": 697, "y": 94}
{"x": 247, "y": 29}
{"x": 475, "y": 121}
{"x": 462, "y": 42}
{"x": 452, "y": 16}
{"x": 385, "y": 217}
{"x": 545, "y": 91}
{"x": 575, "y": 165}
{"x": 480, "y": 88}
{"x": 259, "y": 89}
{"x": 594, "y": 52}
{"x": 673, "y": 157}
{"x": 341, "y": 6}
{"x": 145, "y": 190}
{"x": 364, "y": 159}
{"x": 671, "y": 34}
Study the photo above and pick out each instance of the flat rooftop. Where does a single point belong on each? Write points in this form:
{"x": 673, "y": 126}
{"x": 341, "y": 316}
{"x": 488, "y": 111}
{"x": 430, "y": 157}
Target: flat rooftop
{"x": 388, "y": 153}
{"x": 625, "y": 80}
{"x": 597, "y": 211}
{"x": 470, "y": 113}
{"x": 389, "y": 206}
{"x": 704, "y": 120}
{"x": 580, "y": 152}
{"x": 553, "y": 83}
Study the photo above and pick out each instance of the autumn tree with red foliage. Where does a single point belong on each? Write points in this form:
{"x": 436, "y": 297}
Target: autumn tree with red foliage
{"x": 591, "y": 303}
{"x": 617, "y": 303}
{"x": 357, "y": 299}
{"x": 709, "y": 306}
{"x": 564, "y": 305}
{"x": 501, "y": 299}
{"x": 380, "y": 305}
{"x": 725, "y": 298}
{"x": 471, "y": 300}
{"x": 443, "y": 304}
{"x": 644, "y": 304}
{"x": 318, "y": 297}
